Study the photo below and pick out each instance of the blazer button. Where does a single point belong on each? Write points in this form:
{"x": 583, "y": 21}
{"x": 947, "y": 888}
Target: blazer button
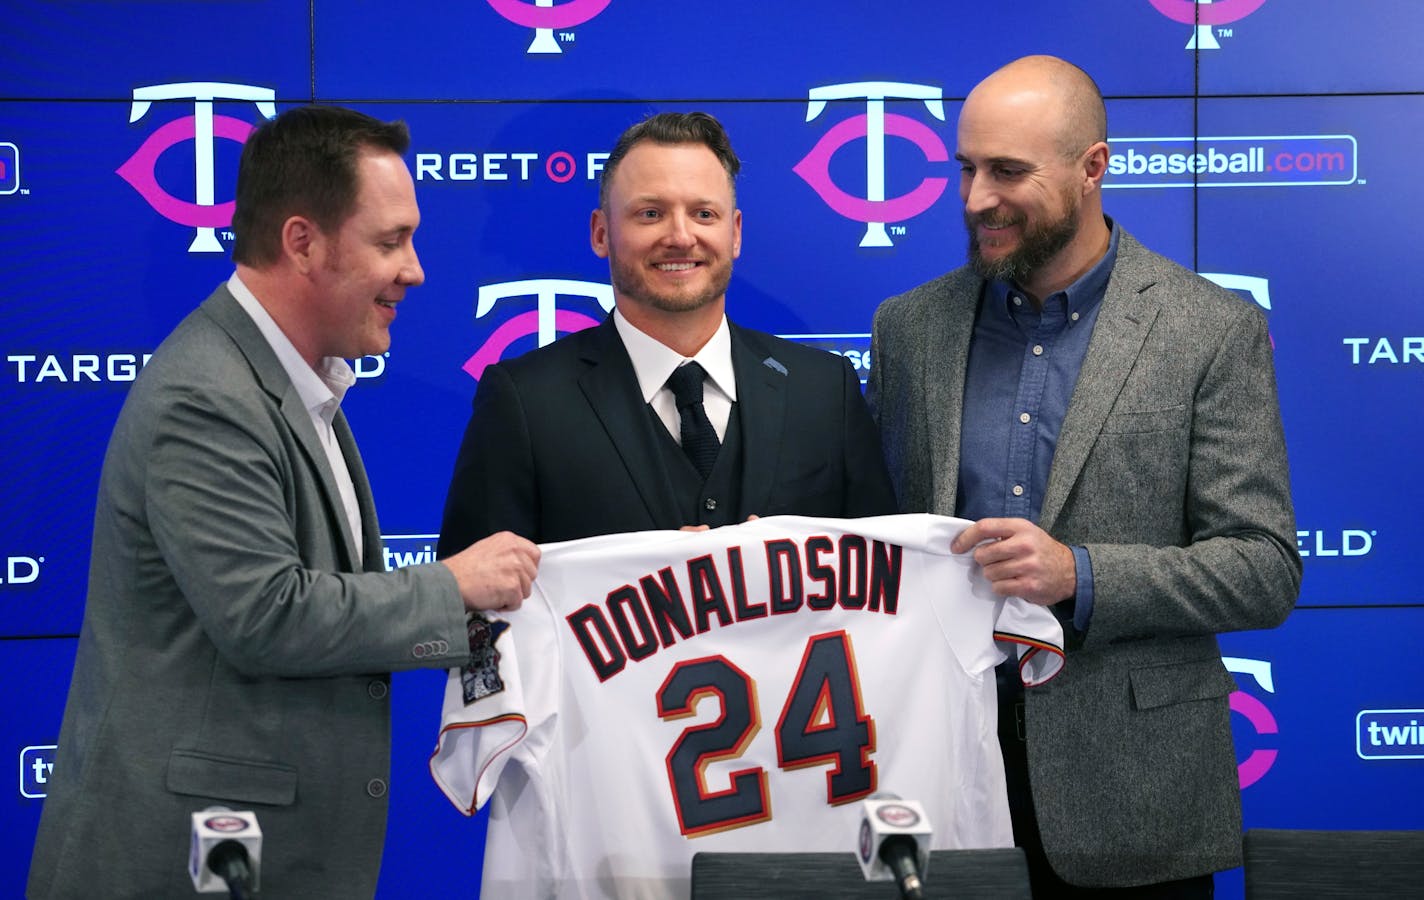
{"x": 377, "y": 690}
{"x": 376, "y": 788}
{"x": 430, "y": 648}
{"x": 709, "y": 504}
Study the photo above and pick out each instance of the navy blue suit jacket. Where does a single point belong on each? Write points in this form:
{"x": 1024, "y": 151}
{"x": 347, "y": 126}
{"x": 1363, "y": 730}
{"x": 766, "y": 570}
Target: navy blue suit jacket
{"x": 560, "y": 444}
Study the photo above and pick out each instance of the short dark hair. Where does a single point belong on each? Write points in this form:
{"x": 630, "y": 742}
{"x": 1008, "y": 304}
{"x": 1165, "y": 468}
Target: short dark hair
{"x": 303, "y": 162}
{"x": 673, "y": 128}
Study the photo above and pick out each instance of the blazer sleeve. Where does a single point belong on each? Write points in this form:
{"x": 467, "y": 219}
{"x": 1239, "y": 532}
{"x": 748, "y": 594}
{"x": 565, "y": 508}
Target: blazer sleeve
{"x": 1238, "y": 567}
{"x": 244, "y": 533}
{"x": 493, "y": 487}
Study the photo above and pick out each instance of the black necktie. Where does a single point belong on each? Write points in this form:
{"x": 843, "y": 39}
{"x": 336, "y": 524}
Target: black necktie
{"x": 699, "y": 438}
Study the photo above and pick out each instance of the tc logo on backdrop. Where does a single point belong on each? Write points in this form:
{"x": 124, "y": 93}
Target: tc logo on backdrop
{"x": 546, "y": 320}
{"x": 1259, "y": 289}
{"x": 1254, "y": 286}
{"x": 1204, "y": 15}
{"x": 203, "y": 128}
{"x": 875, "y": 209}
{"x": 1254, "y": 767}
{"x": 545, "y": 18}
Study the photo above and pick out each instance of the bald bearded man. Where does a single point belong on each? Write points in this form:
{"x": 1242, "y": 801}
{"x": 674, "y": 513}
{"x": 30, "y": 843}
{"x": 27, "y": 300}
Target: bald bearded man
{"x": 1109, "y": 421}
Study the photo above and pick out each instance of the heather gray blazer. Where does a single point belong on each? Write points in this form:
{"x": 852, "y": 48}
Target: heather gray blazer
{"x": 1171, "y": 469}
{"x": 232, "y": 651}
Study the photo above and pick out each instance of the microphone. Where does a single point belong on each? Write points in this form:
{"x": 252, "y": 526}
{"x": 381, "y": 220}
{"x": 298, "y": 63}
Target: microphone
{"x": 894, "y": 843}
{"x": 226, "y": 852}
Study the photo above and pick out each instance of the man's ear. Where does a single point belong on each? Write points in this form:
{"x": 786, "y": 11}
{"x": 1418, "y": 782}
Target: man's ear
{"x": 1095, "y": 164}
{"x": 301, "y": 243}
{"x": 598, "y": 234}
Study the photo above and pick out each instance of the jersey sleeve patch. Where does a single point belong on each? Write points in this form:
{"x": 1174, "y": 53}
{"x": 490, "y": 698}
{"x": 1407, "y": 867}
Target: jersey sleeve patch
{"x": 483, "y": 717}
{"x": 479, "y": 678}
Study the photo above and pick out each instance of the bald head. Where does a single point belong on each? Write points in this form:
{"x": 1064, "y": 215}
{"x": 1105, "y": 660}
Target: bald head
{"x": 1033, "y": 152}
{"x": 1050, "y": 93}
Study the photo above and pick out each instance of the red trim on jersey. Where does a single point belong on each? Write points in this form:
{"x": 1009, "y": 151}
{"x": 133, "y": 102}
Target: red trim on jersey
{"x": 1036, "y": 646}
{"x": 473, "y": 804}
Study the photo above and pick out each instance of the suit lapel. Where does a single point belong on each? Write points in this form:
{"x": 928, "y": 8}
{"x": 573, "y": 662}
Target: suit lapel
{"x": 231, "y": 317}
{"x": 611, "y": 387}
{"x": 1123, "y": 323}
{"x": 761, "y": 404}
{"x": 947, "y": 360}
{"x": 299, "y": 420}
{"x": 371, "y": 548}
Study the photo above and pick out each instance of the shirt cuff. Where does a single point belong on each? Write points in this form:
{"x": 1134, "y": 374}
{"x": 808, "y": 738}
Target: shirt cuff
{"x": 1083, "y": 608}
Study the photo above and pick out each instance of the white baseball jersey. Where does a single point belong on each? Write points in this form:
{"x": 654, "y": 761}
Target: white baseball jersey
{"x": 739, "y": 689}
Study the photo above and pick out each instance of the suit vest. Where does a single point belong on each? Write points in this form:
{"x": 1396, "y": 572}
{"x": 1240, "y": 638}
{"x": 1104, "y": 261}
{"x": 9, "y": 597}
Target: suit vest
{"x": 716, "y": 501}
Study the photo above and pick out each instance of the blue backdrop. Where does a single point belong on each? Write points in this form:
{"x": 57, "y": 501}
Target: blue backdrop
{"x": 1270, "y": 144}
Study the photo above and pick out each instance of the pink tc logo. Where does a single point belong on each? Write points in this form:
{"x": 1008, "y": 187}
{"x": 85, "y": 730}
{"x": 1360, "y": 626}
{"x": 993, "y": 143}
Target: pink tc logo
{"x": 546, "y": 320}
{"x": 202, "y": 128}
{"x": 1204, "y": 14}
{"x": 1254, "y": 767}
{"x": 874, "y": 209}
{"x": 544, "y": 17}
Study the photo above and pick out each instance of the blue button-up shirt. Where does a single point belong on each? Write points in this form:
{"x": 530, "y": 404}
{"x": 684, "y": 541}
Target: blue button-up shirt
{"x": 1023, "y": 365}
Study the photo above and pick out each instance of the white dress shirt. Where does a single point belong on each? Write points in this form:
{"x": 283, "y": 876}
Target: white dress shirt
{"x": 654, "y": 362}
{"x": 321, "y": 392}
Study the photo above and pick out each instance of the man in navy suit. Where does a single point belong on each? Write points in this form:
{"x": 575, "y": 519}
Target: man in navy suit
{"x": 603, "y": 431}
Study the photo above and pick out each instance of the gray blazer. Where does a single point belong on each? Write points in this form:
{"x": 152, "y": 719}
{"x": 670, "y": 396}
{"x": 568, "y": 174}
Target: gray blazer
{"x": 232, "y": 652}
{"x": 1171, "y": 470}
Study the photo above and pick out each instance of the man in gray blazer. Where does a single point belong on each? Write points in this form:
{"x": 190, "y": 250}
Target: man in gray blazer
{"x": 239, "y": 628}
{"x": 1109, "y": 421}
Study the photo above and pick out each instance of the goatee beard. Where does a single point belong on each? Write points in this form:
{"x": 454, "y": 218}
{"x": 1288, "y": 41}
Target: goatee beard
{"x": 1039, "y": 246}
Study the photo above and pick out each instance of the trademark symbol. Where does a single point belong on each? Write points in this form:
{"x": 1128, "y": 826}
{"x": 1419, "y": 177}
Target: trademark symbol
{"x": 1223, "y": 32}
{"x": 226, "y": 235}
{"x": 566, "y": 37}
{"x": 899, "y": 230}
